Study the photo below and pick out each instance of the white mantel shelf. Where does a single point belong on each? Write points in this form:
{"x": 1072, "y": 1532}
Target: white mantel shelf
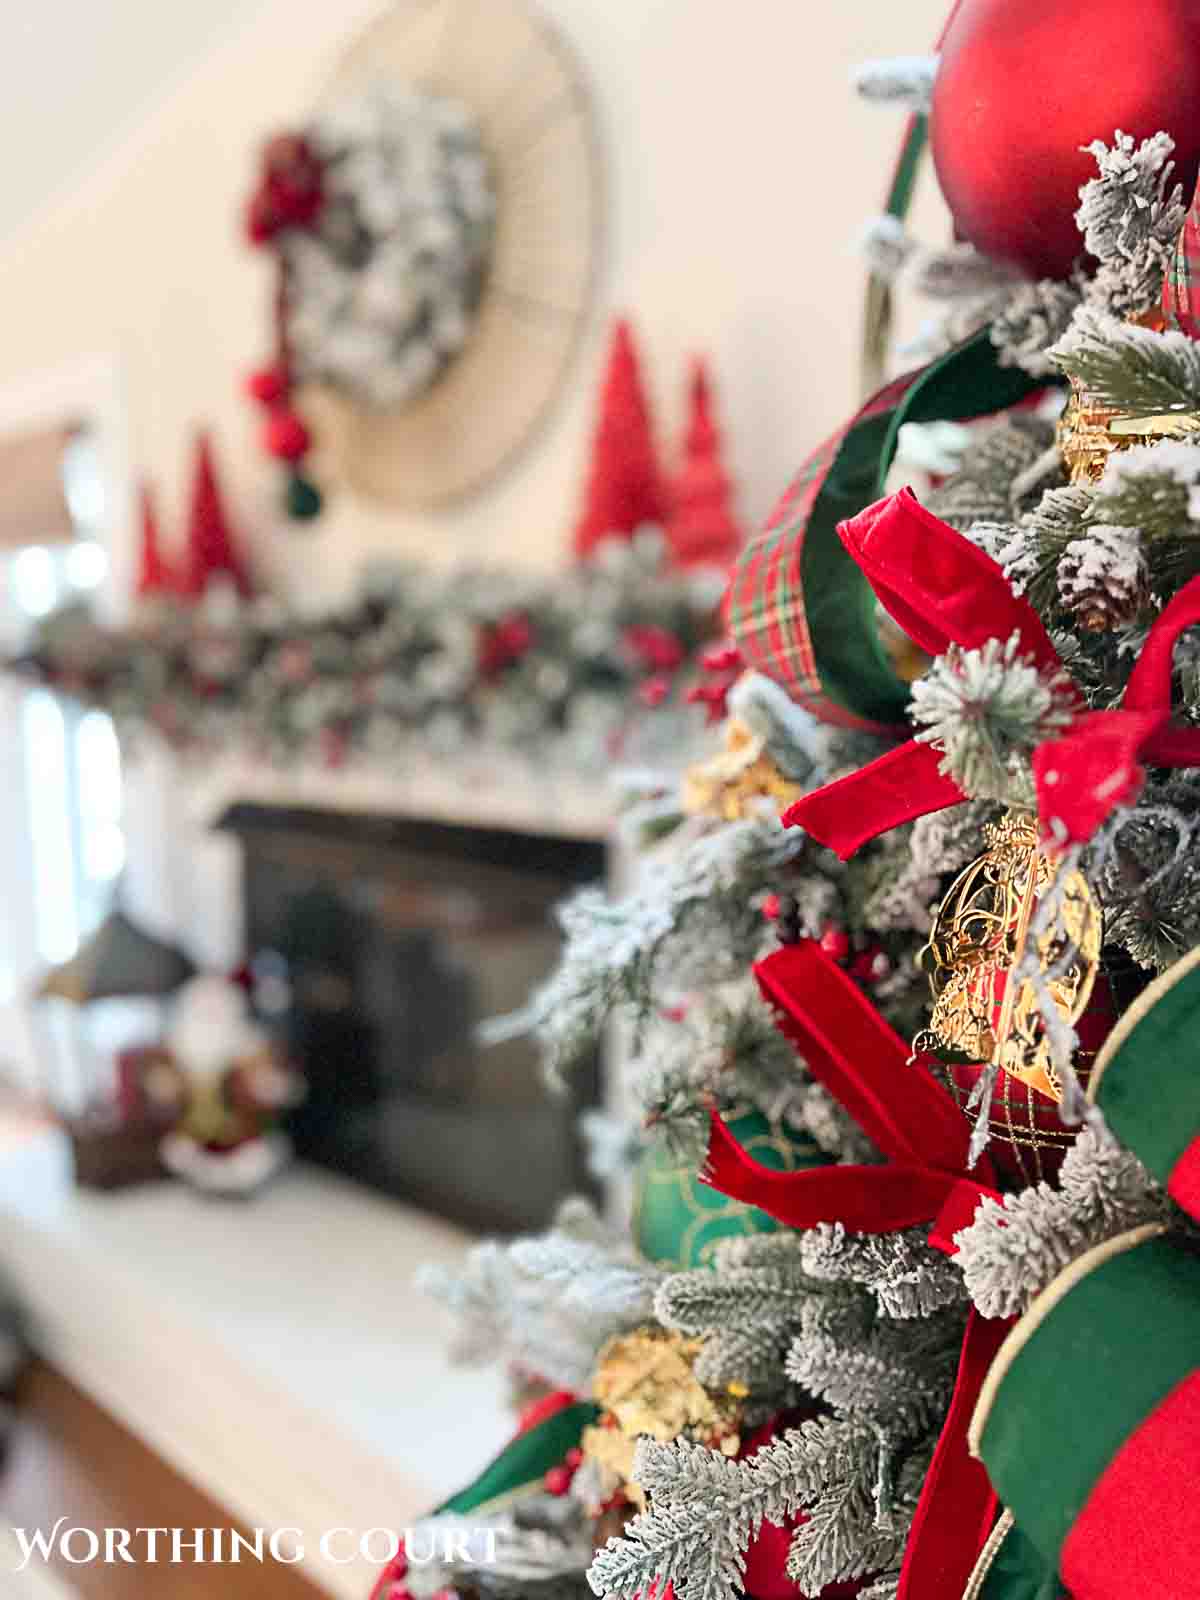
{"x": 273, "y": 1351}
{"x": 488, "y": 790}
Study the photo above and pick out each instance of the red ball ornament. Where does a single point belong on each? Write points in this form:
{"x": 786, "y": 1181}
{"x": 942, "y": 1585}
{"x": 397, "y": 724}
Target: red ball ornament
{"x": 1023, "y": 84}
{"x": 871, "y": 966}
{"x": 767, "y": 1553}
{"x": 835, "y": 942}
{"x": 285, "y": 435}
{"x": 657, "y": 649}
{"x": 1027, "y": 1137}
{"x": 267, "y": 385}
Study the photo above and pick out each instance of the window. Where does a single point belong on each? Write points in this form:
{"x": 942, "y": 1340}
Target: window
{"x": 63, "y": 847}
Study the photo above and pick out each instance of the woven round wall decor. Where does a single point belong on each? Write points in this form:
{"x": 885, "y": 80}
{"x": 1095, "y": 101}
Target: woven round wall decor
{"x": 522, "y": 85}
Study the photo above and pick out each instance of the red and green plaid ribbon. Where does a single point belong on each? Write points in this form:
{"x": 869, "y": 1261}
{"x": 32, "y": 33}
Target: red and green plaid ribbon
{"x": 798, "y": 606}
{"x": 1181, "y": 288}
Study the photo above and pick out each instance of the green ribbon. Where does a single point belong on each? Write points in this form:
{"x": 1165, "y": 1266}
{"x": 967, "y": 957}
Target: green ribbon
{"x": 1146, "y": 1081}
{"x": 1020, "y": 1572}
{"x": 1050, "y": 1433}
{"x": 852, "y": 663}
{"x": 525, "y": 1461}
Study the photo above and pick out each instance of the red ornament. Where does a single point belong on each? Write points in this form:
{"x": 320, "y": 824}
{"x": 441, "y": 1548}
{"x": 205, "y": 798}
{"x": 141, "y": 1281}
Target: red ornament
{"x": 835, "y": 942}
{"x": 155, "y": 576}
{"x": 722, "y": 658}
{"x": 1028, "y": 1138}
{"x": 658, "y": 649}
{"x": 557, "y": 1480}
{"x": 624, "y": 489}
{"x": 504, "y": 643}
{"x": 1023, "y": 84}
{"x": 211, "y": 552}
{"x": 870, "y": 966}
{"x": 268, "y": 385}
{"x": 766, "y": 1558}
{"x": 770, "y": 908}
{"x": 285, "y": 435}
{"x": 290, "y": 189}
{"x": 702, "y": 530}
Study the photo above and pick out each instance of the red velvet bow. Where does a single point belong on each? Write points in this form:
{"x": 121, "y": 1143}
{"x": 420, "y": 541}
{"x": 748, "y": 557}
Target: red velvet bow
{"x": 849, "y": 1047}
{"x": 944, "y": 590}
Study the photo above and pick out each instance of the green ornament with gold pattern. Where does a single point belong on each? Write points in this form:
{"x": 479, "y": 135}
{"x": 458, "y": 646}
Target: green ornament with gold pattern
{"x": 678, "y": 1221}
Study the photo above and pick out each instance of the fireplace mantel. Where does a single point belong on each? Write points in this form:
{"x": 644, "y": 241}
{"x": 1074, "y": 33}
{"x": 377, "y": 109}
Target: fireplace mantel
{"x": 489, "y": 790}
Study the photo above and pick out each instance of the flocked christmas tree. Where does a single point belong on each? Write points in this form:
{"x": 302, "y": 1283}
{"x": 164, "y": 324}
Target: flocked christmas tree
{"x": 909, "y": 997}
{"x": 624, "y": 487}
{"x": 701, "y": 528}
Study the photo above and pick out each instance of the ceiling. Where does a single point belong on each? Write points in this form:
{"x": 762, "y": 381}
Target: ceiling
{"x": 77, "y": 75}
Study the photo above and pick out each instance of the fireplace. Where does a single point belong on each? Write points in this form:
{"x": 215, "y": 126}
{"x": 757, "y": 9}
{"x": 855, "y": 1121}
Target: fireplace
{"x": 379, "y": 944}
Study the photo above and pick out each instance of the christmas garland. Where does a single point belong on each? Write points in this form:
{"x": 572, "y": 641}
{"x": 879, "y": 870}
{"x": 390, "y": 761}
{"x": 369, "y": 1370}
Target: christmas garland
{"x": 380, "y": 215}
{"x": 561, "y": 670}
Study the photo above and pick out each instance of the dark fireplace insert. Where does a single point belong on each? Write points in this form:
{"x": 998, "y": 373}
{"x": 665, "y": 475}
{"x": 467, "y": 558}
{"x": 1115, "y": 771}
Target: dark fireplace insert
{"x": 379, "y": 944}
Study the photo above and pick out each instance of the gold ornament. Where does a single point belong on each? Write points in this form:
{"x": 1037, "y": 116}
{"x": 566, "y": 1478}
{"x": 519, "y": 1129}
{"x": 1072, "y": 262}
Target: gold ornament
{"x": 1088, "y": 433}
{"x": 983, "y": 929}
{"x": 646, "y": 1384}
{"x": 732, "y": 784}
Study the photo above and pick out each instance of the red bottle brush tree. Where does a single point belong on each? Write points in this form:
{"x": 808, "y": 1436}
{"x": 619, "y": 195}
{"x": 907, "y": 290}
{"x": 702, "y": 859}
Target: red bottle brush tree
{"x": 211, "y": 551}
{"x": 155, "y": 576}
{"x": 702, "y": 530}
{"x": 624, "y": 489}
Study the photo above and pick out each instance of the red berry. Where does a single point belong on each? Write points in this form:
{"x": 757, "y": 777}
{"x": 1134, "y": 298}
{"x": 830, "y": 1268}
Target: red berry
{"x": 723, "y": 658}
{"x": 262, "y": 223}
{"x": 770, "y": 907}
{"x": 653, "y": 691}
{"x": 574, "y": 1458}
{"x": 835, "y": 942}
{"x": 557, "y": 1480}
{"x": 285, "y": 435}
{"x": 267, "y": 385}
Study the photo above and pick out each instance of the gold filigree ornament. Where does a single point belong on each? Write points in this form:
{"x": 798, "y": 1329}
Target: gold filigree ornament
{"x": 983, "y": 930}
{"x": 1088, "y": 433}
{"x": 736, "y": 782}
{"x": 646, "y": 1385}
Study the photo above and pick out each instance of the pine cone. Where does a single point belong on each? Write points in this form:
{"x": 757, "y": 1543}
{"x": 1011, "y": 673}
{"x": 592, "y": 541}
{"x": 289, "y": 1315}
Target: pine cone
{"x": 1102, "y": 578}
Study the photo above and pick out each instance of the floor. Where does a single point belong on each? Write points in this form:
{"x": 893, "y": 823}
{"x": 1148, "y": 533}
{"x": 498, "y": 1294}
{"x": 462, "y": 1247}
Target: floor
{"x": 70, "y": 1459}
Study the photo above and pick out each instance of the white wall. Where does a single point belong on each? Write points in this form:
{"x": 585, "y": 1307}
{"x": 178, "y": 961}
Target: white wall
{"x": 740, "y": 166}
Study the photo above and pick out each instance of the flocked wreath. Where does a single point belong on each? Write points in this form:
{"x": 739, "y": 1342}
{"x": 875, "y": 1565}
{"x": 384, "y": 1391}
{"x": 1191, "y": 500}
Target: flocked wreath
{"x": 380, "y": 214}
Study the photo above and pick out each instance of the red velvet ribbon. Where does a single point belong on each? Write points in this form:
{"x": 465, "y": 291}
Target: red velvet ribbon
{"x": 958, "y": 1505}
{"x": 862, "y": 1061}
{"x": 849, "y": 1048}
{"x": 942, "y": 590}
{"x": 1099, "y": 763}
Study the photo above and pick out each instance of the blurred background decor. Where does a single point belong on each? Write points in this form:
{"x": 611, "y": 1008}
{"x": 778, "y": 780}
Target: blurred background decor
{"x": 436, "y": 227}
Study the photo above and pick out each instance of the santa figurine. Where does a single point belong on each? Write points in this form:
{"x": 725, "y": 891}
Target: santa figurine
{"x": 228, "y": 1140}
